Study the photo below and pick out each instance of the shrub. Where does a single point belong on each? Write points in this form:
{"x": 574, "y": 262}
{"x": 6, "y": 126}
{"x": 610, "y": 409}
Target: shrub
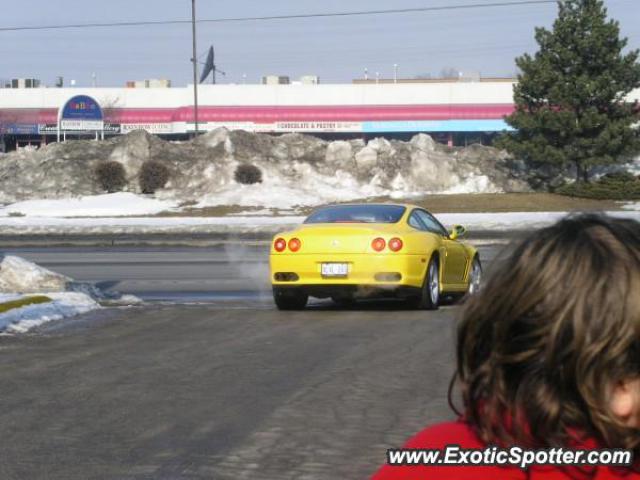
{"x": 612, "y": 186}
{"x": 111, "y": 176}
{"x": 153, "y": 176}
{"x": 248, "y": 174}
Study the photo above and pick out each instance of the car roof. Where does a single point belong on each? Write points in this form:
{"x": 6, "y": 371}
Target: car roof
{"x": 376, "y": 204}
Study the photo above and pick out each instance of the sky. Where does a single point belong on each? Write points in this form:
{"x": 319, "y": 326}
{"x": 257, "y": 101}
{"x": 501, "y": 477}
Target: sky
{"x": 336, "y": 49}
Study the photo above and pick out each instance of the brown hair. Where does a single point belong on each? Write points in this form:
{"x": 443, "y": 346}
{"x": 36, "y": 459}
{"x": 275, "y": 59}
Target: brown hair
{"x": 556, "y": 325}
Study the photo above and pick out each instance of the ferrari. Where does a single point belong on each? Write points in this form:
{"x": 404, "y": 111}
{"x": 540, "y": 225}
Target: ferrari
{"x": 347, "y": 252}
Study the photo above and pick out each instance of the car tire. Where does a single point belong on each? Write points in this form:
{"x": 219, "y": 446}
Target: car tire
{"x": 475, "y": 276}
{"x": 288, "y": 299}
{"x": 429, "y": 297}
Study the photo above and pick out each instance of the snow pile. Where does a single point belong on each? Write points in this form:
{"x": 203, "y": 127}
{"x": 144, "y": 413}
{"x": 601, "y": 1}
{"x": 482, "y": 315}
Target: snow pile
{"x": 231, "y": 225}
{"x": 108, "y": 205}
{"x": 19, "y": 277}
{"x": 296, "y": 169}
{"x": 63, "y": 305}
{"x": 7, "y": 297}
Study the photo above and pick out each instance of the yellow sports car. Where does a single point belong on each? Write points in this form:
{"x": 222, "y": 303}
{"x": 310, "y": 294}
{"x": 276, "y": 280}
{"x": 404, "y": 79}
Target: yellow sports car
{"x": 361, "y": 250}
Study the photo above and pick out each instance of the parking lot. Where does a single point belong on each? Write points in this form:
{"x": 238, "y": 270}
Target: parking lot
{"x": 228, "y": 389}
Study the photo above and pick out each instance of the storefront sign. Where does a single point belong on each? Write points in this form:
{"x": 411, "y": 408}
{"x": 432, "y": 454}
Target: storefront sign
{"x": 52, "y": 128}
{"x": 19, "y": 129}
{"x": 154, "y": 128}
{"x": 81, "y": 113}
{"x": 286, "y": 126}
{"x": 318, "y": 127}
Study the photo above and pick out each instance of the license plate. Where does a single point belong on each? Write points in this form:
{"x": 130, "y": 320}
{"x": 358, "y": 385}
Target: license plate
{"x": 334, "y": 269}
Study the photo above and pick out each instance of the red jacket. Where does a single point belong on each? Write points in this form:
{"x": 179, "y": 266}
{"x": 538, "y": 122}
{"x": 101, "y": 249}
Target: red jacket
{"x": 460, "y": 433}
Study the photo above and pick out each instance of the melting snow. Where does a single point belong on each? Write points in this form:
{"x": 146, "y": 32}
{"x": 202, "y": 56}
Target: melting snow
{"x": 63, "y": 304}
{"x": 240, "y": 224}
{"x": 108, "y": 205}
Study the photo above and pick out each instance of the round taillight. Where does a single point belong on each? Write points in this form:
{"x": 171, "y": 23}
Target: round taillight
{"x": 294, "y": 244}
{"x": 395, "y": 244}
{"x": 378, "y": 244}
{"x": 280, "y": 244}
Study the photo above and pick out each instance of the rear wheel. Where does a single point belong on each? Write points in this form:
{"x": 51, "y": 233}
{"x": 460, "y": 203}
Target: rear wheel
{"x": 289, "y": 299}
{"x": 475, "y": 276}
{"x": 429, "y": 297}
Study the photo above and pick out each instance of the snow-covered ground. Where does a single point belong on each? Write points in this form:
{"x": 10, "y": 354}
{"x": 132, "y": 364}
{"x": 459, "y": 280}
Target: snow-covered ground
{"x": 127, "y": 213}
{"x": 107, "y": 205}
{"x": 246, "y": 224}
{"x": 63, "y": 305}
{"x": 20, "y": 278}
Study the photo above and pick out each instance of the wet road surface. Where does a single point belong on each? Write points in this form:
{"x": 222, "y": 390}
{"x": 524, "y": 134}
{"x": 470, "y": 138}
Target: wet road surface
{"x": 230, "y": 271}
{"x": 228, "y": 389}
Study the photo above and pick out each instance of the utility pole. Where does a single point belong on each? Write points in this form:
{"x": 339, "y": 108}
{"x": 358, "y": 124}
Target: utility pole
{"x": 195, "y": 66}
{"x": 395, "y": 73}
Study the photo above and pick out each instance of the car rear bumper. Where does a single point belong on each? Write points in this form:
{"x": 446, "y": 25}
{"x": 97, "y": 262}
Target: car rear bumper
{"x": 386, "y": 271}
{"x": 353, "y": 291}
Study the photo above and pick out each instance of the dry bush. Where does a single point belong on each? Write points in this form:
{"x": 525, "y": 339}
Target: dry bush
{"x": 111, "y": 176}
{"x": 248, "y": 174}
{"x": 153, "y": 176}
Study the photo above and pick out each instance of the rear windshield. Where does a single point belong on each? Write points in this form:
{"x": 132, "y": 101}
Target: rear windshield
{"x": 357, "y": 214}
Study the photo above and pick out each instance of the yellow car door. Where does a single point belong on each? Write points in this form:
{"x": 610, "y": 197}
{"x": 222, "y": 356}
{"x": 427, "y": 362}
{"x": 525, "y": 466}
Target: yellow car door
{"x": 454, "y": 260}
{"x": 455, "y": 263}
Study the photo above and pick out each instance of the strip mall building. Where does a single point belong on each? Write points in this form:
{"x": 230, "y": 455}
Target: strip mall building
{"x": 456, "y": 113}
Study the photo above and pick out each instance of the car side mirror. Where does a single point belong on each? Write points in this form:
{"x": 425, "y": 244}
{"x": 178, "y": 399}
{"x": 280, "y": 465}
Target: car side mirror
{"x": 458, "y": 231}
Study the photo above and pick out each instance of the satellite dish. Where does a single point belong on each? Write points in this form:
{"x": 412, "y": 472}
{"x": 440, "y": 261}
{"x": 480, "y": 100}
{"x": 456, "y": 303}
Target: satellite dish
{"x": 210, "y": 67}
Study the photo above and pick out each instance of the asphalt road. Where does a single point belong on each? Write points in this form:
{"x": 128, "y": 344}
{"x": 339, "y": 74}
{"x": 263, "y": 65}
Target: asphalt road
{"x": 230, "y": 389}
{"x": 237, "y": 270}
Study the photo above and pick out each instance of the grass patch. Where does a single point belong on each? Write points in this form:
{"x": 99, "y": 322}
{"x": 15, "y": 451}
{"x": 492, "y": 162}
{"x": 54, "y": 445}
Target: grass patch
{"x": 511, "y": 202}
{"x": 455, "y": 203}
{"x": 23, "y": 302}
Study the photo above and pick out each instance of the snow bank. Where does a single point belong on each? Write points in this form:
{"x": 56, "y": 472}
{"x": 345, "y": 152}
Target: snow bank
{"x": 143, "y": 225}
{"x": 20, "y": 275}
{"x": 8, "y": 297}
{"x": 276, "y": 194}
{"x": 108, "y": 205}
{"x": 297, "y": 170}
{"x": 257, "y": 224}
{"x": 63, "y": 305}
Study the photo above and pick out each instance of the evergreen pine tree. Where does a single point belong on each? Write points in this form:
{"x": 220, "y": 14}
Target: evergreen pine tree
{"x": 570, "y": 96}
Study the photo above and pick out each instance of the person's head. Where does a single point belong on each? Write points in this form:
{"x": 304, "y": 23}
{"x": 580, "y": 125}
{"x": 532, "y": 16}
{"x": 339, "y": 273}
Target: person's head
{"x": 550, "y": 347}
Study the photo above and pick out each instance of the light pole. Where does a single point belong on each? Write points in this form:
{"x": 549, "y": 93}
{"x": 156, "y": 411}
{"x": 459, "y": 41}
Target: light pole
{"x": 195, "y": 66}
{"x": 395, "y": 73}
